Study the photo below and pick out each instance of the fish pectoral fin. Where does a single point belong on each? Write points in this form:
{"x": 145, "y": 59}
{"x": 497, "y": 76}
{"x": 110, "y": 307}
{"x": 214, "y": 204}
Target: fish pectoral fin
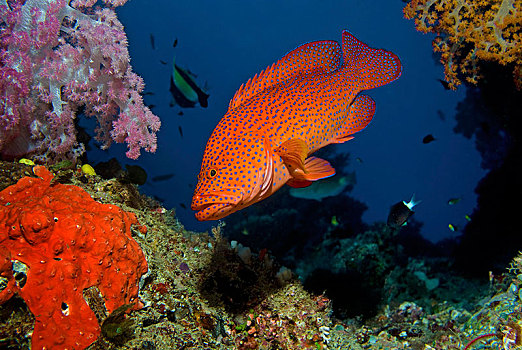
{"x": 293, "y": 152}
{"x": 314, "y": 169}
{"x": 298, "y": 183}
{"x": 360, "y": 114}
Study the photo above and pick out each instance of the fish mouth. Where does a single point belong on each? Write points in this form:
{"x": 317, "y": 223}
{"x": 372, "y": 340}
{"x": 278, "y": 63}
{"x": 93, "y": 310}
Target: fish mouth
{"x": 214, "y": 207}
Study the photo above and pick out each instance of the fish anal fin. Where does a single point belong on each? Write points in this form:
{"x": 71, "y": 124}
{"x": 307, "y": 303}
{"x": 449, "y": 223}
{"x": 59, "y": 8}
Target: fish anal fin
{"x": 293, "y": 152}
{"x": 360, "y": 114}
{"x": 315, "y": 57}
{"x": 315, "y": 169}
{"x": 342, "y": 139}
{"x": 298, "y": 183}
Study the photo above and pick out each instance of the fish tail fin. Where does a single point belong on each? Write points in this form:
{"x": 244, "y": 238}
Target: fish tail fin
{"x": 413, "y": 202}
{"x": 375, "y": 67}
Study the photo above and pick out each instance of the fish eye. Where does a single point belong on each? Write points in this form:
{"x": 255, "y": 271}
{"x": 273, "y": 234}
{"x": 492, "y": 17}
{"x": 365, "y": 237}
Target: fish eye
{"x": 211, "y": 173}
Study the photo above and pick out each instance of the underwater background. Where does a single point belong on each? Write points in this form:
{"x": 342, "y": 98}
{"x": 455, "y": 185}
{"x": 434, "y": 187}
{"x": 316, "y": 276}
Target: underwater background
{"x": 225, "y": 44}
{"x": 330, "y": 269}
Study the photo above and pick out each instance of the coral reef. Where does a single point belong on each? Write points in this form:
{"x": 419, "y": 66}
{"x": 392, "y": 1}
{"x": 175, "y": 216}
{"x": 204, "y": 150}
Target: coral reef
{"x": 207, "y": 293}
{"x": 384, "y": 268}
{"x": 471, "y": 32}
{"x": 57, "y": 60}
{"x": 56, "y": 241}
{"x": 203, "y": 292}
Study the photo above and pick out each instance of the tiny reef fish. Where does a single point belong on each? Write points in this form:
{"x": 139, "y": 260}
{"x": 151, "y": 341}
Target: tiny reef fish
{"x": 275, "y": 121}
{"x": 400, "y": 213}
{"x": 428, "y": 138}
{"x": 184, "y": 89}
{"x": 453, "y": 228}
{"x": 163, "y": 177}
{"x": 152, "y": 44}
{"x": 453, "y": 201}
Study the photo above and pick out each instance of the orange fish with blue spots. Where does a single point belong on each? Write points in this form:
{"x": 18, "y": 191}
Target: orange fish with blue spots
{"x": 280, "y": 117}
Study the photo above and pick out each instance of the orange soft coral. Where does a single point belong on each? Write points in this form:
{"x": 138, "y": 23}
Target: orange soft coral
{"x": 68, "y": 242}
{"x": 470, "y": 31}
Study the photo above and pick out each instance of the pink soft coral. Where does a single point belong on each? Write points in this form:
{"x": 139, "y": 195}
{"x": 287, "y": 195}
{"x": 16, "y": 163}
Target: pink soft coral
{"x": 55, "y": 60}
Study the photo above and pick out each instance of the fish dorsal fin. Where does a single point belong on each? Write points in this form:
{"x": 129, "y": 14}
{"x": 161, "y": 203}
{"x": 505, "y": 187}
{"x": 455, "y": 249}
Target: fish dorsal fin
{"x": 314, "y": 57}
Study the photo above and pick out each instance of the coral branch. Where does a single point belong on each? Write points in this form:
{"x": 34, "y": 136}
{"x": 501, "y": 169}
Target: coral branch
{"x": 469, "y": 32}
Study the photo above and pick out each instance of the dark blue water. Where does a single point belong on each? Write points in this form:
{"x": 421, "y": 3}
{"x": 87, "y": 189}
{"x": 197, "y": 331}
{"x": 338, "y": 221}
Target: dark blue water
{"x": 226, "y": 43}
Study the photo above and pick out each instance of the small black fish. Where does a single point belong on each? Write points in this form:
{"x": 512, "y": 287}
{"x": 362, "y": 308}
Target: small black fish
{"x": 183, "y": 205}
{"x": 175, "y": 43}
{"x": 147, "y": 93}
{"x": 400, "y": 213}
{"x": 152, "y": 41}
{"x": 180, "y": 131}
{"x": 444, "y": 84}
{"x": 441, "y": 115}
{"x": 162, "y": 177}
{"x": 428, "y": 138}
{"x": 180, "y": 113}
{"x": 163, "y": 62}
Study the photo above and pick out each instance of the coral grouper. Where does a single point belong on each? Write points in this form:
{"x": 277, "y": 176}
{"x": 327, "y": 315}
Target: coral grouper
{"x": 306, "y": 100}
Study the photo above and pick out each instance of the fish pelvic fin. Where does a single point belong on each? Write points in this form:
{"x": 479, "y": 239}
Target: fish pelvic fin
{"x": 375, "y": 67}
{"x": 360, "y": 114}
{"x": 312, "y": 58}
{"x": 298, "y": 183}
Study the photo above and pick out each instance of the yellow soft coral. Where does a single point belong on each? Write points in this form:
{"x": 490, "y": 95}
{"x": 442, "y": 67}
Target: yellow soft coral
{"x": 469, "y": 31}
